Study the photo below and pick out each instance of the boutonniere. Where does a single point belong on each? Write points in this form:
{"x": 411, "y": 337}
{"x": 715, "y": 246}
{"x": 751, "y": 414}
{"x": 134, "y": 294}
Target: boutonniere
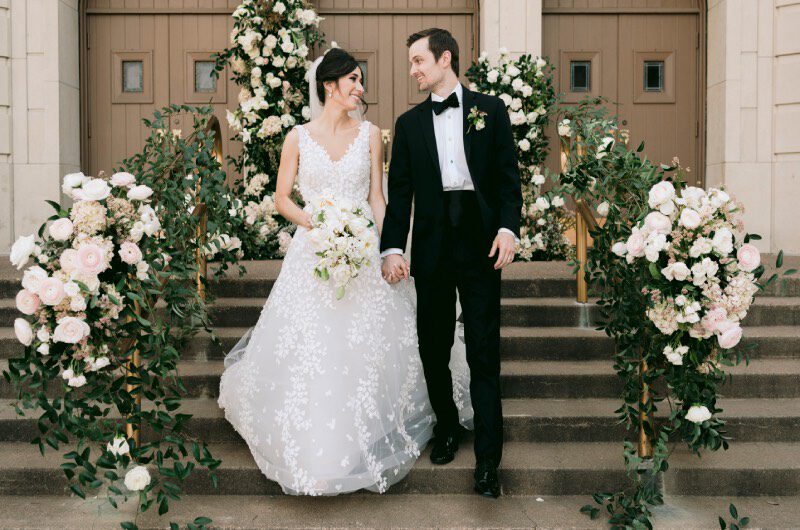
{"x": 476, "y": 119}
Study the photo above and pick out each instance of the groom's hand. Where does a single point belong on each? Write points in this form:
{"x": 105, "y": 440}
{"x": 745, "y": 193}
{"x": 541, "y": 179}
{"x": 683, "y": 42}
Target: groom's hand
{"x": 394, "y": 268}
{"x": 505, "y": 246}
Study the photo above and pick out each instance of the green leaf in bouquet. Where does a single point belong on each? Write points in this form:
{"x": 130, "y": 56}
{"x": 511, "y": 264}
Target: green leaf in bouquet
{"x": 340, "y": 292}
{"x": 654, "y": 272}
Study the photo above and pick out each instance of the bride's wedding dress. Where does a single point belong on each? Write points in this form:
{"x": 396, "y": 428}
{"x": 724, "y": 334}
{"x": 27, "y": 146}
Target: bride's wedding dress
{"x": 330, "y": 394}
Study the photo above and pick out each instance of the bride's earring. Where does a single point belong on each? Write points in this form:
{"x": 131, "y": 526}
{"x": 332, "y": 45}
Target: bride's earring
{"x": 330, "y": 94}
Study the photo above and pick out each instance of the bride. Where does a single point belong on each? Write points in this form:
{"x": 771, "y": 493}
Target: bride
{"x": 328, "y": 393}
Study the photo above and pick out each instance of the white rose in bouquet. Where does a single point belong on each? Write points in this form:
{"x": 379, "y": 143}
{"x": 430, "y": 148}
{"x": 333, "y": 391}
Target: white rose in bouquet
{"x": 698, "y": 414}
{"x": 61, "y": 229}
{"x": 137, "y": 478}
{"x": 619, "y": 248}
{"x": 564, "y": 128}
{"x": 21, "y": 250}
{"x": 728, "y": 334}
{"x": 23, "y": 331}
{"x": 119, "y": 446}
{"x": 602, "y": 209}
{"x": 123, "y": 179}
{"x": 658, "y": 222}
{"x": 92, "y": 190}
{"x": 723, "y": 241}
{"x": 140, "y": 193}
{"x": 660, "y": 193}
{"x": 71, "y": 330}
{"x": 72, "y": 181}
{"x": 690, "y": 219}
{"x": 675, "y": 356}
{"x": 677, "y": 271}
{"x": 32, "y": 278}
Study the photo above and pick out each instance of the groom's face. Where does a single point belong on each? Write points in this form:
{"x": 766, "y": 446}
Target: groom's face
{"x": 424, "y": 67}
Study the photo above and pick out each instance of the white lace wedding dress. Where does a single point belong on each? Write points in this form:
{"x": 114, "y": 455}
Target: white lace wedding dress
{"x": 330, "y": 394}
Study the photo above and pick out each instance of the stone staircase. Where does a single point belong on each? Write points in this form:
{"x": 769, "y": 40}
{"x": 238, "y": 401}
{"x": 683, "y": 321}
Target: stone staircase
{"x": 560, "y": 392}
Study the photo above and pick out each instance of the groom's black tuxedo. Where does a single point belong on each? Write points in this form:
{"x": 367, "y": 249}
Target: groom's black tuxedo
{"x": 452, "y": 236}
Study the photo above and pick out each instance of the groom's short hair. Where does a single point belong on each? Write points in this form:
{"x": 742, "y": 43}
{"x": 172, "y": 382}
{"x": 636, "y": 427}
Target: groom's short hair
{"x": 439, "y": 41}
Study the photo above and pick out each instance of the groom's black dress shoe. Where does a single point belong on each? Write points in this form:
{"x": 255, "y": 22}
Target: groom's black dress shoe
{"x": 446, "y": 446}
{"x": 487, "y": 483}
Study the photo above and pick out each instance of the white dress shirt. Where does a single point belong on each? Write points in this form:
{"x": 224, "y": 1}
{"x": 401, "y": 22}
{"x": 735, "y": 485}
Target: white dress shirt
{"x": 449, "y": 130}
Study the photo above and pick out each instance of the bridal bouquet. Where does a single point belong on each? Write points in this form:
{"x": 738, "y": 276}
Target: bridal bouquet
{"x": 703, "y": 274}
{"x": 344, "y": 240}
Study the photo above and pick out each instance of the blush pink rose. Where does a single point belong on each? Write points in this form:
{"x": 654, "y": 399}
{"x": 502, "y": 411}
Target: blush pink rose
{"x": 635, "y": 244}
{"x": 130, "y": 253}
{"x": 658, "y": 222}
{"x": 27, "y": 302}
{"x": 729, "y": 334}
{"x": 51, "y": 291}
{"x": 713, "y": 318}
{"x": 61, "y": 229}
{"x": 91, "y": 259}
{"x": 749, "y": 257}
{"x": 69, "y": 260}
{"x": 690, "y": 219}
{"x": 71, "y": 330}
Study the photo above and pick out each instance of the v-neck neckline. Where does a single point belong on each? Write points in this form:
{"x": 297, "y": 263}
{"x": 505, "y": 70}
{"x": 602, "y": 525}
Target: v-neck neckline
{"x": 325, "y": 151}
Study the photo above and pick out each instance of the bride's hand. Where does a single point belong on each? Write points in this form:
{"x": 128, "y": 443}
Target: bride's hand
{"x": 306, "y": 221}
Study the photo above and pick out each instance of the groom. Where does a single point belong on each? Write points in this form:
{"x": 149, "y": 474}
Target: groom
{"x": 464, "y": 181}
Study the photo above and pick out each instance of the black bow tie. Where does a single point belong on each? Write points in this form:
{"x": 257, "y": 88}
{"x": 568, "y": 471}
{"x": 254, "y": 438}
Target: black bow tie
{"x": 441, "y": 106}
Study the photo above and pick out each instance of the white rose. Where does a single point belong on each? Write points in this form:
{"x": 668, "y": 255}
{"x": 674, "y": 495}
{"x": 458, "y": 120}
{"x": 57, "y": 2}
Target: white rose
{"x": 71, "y": 330}
{"x": 73, "y": 180}
{"x": 723, "y": 241}
{"x": 673, "y": 356}
{"x": 636, "y": 244}
{"x": 513, "y": 71}
{"x": 660, "y": 193}
{"x": 274, "y": 82}
{"x": 93, "y": 190}
{"x": 32, "y": 278}
{"x": 122, "y": 179}
{"x": 517, "y": 118}
{"x": 137, "y": 478}
{"x": 271, "y": 41}
{"x": 542, "y": 203}
{"x": 492, "y": 76}
{"x": 564, "y": 128}
{"x": 558, "y": 201}
{"x": 119, "y": 446}
{"x": 658, "y": 222}
{"x": 728, "y": 334}
{"x": 77, "y": 304}
{"x": 43, "y": 349}
{"x": 61, "y": 229}
{"x": 517, "y": 83}
{"x": 602, "y": 209}
{"x": 698, "y": 414}
{"x": 130, "y": 253}
{"x": 540, "y": 63}
{"x": 516, "y": 104}
{"x": 67, "y": 374}
{"x": 278, "y": 62}
{"x": 287, "y": 46}
{"x": 306, "y": 112}
{"x": 524, "y": 145}
{"x": 97, "y": 363}
{"x": 526, "y": 90}
{"x": 279, "y": 8}
{"x": 23, "y": 331}
{"x": 676, "y": 271}
{"x": 538, "y": 179}
{"x": 142, "y": 269}
{"x": 140, "y": 193}
{"x": 506, "y": 99}
{"x": 603, "y": 149}
{"x": 619, "y": 248}
{"x": 21, "y": 250}
{"x": 690, "y": 219}
{"x": 77, "y": 382}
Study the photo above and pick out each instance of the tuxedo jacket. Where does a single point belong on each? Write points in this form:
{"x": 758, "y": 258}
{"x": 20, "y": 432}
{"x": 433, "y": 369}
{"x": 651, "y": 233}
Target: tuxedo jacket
{"x": 414, "y": 175}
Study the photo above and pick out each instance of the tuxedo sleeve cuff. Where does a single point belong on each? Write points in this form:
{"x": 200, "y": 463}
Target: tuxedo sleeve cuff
{"x": 390, "y": 251}
{"x": 507, "y": 231}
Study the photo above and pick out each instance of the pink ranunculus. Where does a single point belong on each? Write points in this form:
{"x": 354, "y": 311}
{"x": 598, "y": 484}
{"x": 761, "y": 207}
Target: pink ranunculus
{"x": 749, "y": 257}
{"x": 27, "y": 302}
{"x": 51, "y": 291}
{"x": 130, "y": 253}
{"x": 658, "y": 222}
{"x": 23, "y": 331}
{"x": 713, "y": 318}
{"x": 729, "y": 334}
{"x": 690, "y": 219}
{"x": 71, "y": 330}
{"x": 91, "y": 259}
{"x": 635, "y": 244}
{"x": 61, "y": 229}
{"x": 69, "y": 260}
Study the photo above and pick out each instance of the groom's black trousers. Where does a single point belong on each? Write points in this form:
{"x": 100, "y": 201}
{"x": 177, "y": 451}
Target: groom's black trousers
{"x": 463, "y": 265}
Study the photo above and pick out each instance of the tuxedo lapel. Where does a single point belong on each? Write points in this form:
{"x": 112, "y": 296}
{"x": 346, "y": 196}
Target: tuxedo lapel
{"x": 429, "y": 135}
{"x": 468, "y": 103}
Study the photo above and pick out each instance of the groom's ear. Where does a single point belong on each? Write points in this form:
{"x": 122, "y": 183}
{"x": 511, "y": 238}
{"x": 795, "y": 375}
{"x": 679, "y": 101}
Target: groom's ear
{"x": 446, "y": 59}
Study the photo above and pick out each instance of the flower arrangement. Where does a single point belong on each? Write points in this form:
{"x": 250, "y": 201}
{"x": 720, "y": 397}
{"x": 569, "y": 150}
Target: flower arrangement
{"x": 526, "y": 87}
{"x": 344, "y": 240}
{"x": 90, "y": 325}
{"x": 269, "y": 60}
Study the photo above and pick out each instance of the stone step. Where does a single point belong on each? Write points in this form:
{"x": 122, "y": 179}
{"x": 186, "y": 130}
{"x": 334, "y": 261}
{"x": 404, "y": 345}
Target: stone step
{"x": 423, "y": 512}
{"x": 525, "y": 420}
{"x": 516, "y": 343}
{"x": 527, "y": 469}
{"x": 540, "y": 379}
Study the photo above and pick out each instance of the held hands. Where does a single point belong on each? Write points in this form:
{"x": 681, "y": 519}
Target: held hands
{"x": 394, "y": 268}
{"x": 505, "y": 246}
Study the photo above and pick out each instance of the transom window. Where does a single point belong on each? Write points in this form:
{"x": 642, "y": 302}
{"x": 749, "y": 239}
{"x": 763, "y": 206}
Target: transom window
{"x": 580, "y": 76}
{"x": 653, "y": 76}
{"x": 132, "y": 76}
{"x": 203, "y": 80}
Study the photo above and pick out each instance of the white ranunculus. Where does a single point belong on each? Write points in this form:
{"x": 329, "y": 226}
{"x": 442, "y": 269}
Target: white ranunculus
{"x": 43, "y": 334}
{"x": 130, "y": 253}
{"x": 23, "y": 331}
{"x": 517, "y": 83}
{"x": 77, "y": 304}
{"x": 698, "y": 414}
{"x": 690, "y": 219}
{"x": 71, "y": 289}
{"x": 749, "y": 257}
{"x": 93, "y": 190}
{"x": 602, "y": 209}
{"x": 32, "y": 278}
{"x": 61, "y": 229}
{"x": 51, "y": 291}
{"x": 119, "y": 446}
{"x": 660, "y": 193}
{"x": 140, "y": 193}
{"x": 21, "y": 250}
{"x": 526, "y": 91}
{"x": 27, "y": 302}
{"x": 137, "y": 478}
{"x": 619, "y": 248}
{"x": 122, "y": 179}
{"x": 71, "y": 330}
{"x": 693, "y": 196}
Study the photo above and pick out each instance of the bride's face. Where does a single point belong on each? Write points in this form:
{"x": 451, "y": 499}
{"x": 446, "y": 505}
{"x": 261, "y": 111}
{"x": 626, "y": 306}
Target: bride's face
{"x": 348, "y": 90}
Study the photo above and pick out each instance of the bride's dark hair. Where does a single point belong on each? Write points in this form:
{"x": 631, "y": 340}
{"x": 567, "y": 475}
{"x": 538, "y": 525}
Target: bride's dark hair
{"x": 335, "y": 64}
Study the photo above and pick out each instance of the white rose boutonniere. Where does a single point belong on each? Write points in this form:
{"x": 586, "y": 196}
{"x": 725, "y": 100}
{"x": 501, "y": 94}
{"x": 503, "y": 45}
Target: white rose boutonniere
{"x": 476, "y": 118}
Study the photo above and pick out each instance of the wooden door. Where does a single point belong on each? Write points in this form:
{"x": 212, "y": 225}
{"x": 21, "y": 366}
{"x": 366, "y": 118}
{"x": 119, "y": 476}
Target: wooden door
{"x": 375, "y": 32}
{"x": 646, "y": 58}
{"x": 142, "y": 55}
